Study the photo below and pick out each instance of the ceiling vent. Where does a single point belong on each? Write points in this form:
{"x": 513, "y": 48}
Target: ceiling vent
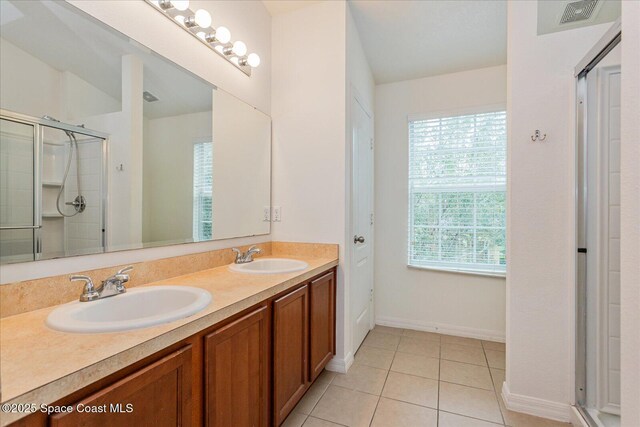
{"x": 149, "y": 97}
{"x": 578, "y": 11}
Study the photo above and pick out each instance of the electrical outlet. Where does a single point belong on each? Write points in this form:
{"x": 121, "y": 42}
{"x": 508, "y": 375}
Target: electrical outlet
{"x": 277, "y": 214}
{"x": 266, "y": 214}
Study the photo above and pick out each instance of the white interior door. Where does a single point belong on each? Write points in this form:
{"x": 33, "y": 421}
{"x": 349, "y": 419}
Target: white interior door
{"x": 362, "y": 223}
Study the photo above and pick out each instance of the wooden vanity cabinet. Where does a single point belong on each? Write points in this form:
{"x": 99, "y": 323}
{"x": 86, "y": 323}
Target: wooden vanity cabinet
{"x": 247, "y": 371}
{"x": 290, "y": 351}
{"x": 236, "y": 372}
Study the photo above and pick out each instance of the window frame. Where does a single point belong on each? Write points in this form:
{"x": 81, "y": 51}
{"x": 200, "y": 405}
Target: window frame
{"x": 477, "y": 270}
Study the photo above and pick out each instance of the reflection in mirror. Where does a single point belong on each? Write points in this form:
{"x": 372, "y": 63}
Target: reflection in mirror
{"x": 106, "y": 145}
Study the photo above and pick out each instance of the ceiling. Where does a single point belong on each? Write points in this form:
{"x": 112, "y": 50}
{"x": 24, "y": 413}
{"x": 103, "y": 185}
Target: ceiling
{"x": 277, "y": 7}
{"x": 412, "y": 39}
{"x": 92, "y": 51}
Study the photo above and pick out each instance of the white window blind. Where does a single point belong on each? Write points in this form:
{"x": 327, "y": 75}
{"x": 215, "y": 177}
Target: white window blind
{"x": 202, "y": 191}
{"x": 457, "y": 189}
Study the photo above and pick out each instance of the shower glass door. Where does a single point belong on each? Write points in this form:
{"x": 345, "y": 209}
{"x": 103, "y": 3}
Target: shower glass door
{"x": 18, "y": 224}
{"x": 598, "y": 246}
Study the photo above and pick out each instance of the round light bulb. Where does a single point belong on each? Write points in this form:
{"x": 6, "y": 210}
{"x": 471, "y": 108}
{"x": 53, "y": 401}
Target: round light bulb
{"x": 239, "y": 48}
{"x": 179, "y": 18}
{"x": 219, "y": 48}
{"x": 223, "y": 35}
{"x": 180, "y": 4}
{"x": 201, "y": 34}
{"x": 203, "y": 18}
{"x": 253, "y": 60}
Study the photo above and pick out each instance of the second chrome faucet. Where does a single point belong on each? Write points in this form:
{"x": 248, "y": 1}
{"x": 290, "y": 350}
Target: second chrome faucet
{"x": 243, "y": 258}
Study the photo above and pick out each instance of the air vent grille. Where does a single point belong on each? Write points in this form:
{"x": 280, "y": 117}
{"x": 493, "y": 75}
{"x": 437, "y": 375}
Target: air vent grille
{"x": 149, "y": 97}
{"x": 578, "y": 11}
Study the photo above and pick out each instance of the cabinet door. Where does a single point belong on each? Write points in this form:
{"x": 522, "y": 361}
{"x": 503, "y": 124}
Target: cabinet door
{"x": 290, "y": 341}
{"x": 237, "y": 373}
{"x": 156, "y": 396}
{"x": 322, "y": 323}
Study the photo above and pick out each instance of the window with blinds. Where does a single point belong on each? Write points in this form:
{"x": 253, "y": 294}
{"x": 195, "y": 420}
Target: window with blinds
{"x": 457, "y": 189}
{"x": 202, "y": 191}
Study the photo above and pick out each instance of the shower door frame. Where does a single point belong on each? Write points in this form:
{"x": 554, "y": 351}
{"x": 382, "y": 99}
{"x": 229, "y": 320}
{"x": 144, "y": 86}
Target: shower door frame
{"x": 605, "y": 45}
{"x": 38, "y": 157}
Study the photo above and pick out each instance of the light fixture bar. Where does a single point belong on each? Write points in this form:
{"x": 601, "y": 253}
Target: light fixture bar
{"x": 218, "y": 39}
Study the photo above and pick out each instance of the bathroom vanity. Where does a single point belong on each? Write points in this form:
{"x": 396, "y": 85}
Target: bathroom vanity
{"x": 245, "y": 360}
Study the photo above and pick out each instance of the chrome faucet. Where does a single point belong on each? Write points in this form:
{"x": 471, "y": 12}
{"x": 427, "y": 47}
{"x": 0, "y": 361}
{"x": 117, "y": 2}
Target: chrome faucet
{"x": 109, "y": 287}
{"x": 243, "y": 258}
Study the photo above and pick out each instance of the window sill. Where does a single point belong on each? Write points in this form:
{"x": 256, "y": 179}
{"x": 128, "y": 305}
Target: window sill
{"x": 453, "y": 270}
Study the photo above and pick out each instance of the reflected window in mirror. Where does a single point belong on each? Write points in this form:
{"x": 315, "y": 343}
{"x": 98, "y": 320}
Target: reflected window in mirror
{"x": 202, "y": 191}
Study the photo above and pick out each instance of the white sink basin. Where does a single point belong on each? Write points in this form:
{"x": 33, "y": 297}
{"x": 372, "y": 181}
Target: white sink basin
{"x": 135, "y": 309}
{"x": 270, "y": 266}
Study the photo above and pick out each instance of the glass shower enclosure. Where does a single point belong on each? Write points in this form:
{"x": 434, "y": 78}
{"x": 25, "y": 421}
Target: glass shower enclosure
{"x": 52, "y": 189}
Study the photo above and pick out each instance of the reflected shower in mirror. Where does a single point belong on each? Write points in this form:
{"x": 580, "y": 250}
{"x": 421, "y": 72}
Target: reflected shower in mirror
{"x": 108, "y": 146}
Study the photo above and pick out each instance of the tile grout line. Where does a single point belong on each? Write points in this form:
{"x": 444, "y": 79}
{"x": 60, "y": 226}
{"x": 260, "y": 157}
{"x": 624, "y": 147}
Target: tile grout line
{"x": 383, "y": 385}
{"x": 320, "y": 398}
{"x": 495, "y": 392}
{"x": 474, "y": 418}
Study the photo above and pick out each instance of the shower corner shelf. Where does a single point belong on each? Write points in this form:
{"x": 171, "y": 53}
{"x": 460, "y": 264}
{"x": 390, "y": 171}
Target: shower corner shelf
{"x": 51, "y": 215}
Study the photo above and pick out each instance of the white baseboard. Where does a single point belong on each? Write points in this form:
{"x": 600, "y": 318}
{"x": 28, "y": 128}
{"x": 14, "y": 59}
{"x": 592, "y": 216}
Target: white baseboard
{"x": 340, "y": 365}
{"x": 535, "y": 406}
{"x": 441, "y": 328}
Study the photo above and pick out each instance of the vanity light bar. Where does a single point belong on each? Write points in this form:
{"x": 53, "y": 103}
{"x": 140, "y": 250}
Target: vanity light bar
{"x": 198, "y": 24}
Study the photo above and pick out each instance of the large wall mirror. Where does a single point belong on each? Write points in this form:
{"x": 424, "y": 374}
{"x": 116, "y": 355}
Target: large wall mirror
{"x": 106, "y": 145}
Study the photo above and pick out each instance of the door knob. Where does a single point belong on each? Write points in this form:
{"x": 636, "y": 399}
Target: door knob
{"x": 358, "y": 239}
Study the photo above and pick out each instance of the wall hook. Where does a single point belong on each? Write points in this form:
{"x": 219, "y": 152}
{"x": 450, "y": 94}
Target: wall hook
{"x": 536, "y": 136}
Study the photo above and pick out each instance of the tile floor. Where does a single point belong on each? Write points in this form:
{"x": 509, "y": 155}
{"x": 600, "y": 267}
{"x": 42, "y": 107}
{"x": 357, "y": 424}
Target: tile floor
{"x": 411, "y": 378}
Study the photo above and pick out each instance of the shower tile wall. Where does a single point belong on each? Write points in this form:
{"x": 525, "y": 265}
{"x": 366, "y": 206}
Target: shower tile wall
{"x": 54, "y": 158}
{"x": 83, "y": 232}
{"x": 613, "y": 332}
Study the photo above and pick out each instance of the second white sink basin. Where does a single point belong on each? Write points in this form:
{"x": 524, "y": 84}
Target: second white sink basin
{"x": 135, "y": 309}
{"x": 270, "y": 266}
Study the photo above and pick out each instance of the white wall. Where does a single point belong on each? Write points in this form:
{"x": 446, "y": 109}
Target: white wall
{"x": 80, "y": 98}
{"x": 630, "y": 212}
{"x": 168, "y": 175}
{"x": 248, "y": 21}
{"x": 25, "y": 70}
{"x": 450, "y": 302}
{"x": 308, "y": 113}
{"x": 241, "y": 168}
{"x": 541, "y": 211}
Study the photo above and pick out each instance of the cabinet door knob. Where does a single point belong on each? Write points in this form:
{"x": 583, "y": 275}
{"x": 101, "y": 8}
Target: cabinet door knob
{"x": 358, "y": 239}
